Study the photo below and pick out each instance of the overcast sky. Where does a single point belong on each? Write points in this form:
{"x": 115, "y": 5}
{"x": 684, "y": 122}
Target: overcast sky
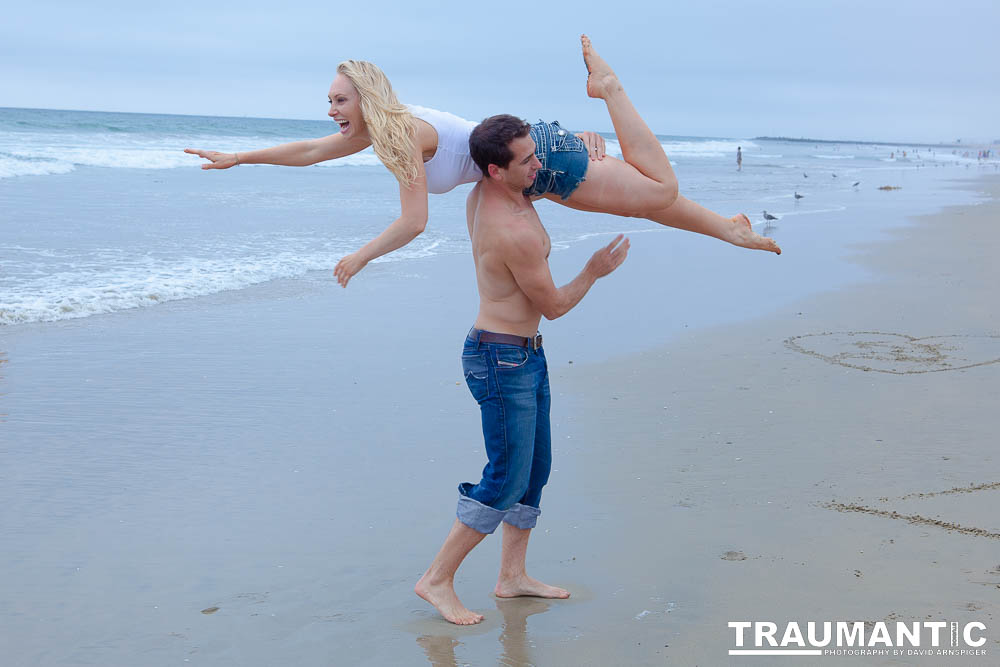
{"x": 899, "y": 71}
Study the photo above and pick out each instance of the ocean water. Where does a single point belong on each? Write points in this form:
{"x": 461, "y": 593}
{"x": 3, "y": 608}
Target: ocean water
{"x": 104, "y": 212}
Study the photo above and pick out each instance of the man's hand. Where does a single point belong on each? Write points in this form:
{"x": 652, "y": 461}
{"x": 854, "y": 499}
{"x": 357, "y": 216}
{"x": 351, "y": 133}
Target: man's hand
{"x": 594, "y": 143}
{"x": 216, "y": 159}
{"x": 348, "y": 266}
{"x": 608, "y": 258}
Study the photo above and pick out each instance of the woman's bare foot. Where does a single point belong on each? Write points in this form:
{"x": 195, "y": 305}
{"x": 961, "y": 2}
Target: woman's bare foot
{"x": 601, "y": 80}
{"x": 744, "y": 236}
{"x": 525, "y": 585}
{"x": 443, "y": 597}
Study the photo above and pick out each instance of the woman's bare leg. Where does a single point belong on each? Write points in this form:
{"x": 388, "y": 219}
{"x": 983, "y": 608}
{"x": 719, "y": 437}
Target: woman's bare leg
{"x": 686, "y": 214}
{"x": 635, "y": 187}
{"x": 645, "y": 181}
{"x": 693, "y": 217}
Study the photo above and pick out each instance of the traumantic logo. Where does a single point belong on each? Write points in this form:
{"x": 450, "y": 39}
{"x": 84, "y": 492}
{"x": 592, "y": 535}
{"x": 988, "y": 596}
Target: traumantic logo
{"x": 859, "y": 638}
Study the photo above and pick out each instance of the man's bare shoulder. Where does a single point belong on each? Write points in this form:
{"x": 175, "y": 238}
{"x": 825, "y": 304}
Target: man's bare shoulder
{"x": 503, "y": 216}
{"x": 508, "y": 223}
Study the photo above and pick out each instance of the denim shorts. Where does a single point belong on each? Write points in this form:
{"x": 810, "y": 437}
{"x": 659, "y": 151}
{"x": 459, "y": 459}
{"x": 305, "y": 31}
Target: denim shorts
{"x": 511, "y": 385}
{"x": 564, "y": 160}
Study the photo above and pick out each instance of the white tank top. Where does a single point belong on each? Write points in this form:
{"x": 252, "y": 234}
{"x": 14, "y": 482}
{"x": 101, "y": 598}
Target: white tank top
{"x": 452, "y": 164}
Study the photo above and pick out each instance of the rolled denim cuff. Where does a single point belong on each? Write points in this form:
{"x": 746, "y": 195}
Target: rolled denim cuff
{"x": 477, "y": 516}
{"x": 522, "y": 516}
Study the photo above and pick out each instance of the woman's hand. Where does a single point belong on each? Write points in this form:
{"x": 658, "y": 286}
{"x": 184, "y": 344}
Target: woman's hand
{"x": 348, "y": 266}
{"x": 405, "y": 228}
{"x": 217, "y": 160}
{"x": 594, "y": 143}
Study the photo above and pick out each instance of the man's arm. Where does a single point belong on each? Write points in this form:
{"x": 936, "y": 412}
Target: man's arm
{"x": 527, "y": 263}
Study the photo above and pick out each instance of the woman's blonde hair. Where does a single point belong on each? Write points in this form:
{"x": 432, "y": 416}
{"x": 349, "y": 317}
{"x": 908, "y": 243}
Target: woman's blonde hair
{"x": 390, "y": 124}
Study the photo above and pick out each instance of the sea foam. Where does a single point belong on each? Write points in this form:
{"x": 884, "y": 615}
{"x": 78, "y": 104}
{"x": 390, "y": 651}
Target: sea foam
{"x": 47, "y": 286}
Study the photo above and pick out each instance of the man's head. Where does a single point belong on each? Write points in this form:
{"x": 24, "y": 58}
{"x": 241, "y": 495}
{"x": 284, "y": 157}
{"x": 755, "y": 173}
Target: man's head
{"x": 502, "y": 149}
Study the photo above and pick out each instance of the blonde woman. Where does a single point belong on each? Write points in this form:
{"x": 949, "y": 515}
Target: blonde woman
{"x": 428, "y": 152}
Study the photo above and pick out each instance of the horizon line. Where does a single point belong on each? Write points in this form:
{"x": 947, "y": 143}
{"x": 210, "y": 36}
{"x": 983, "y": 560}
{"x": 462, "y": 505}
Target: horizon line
{"x": 957, "y": 144}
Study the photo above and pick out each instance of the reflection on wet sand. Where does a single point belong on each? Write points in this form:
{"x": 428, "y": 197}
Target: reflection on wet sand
{"x": 514, "y": 633}
{"x": 440, "y": 649}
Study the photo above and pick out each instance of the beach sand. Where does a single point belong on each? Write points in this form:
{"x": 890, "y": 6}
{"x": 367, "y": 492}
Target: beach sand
{"x": 260, "y": 477}
{"x": 718, "y": 468}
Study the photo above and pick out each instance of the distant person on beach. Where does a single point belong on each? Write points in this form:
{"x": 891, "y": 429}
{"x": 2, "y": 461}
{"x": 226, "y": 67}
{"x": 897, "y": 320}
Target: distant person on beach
{"x": 505, "y": 366}
{"x": 739, "y": 159}
{"x": 428, "y": 152}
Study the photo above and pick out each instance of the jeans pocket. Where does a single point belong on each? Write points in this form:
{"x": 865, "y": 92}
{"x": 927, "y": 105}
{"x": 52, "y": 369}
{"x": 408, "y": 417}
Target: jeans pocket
{"x": 474, "y": 365}
{"x": 511, "y": 357}
{"x": 563, "y": 140}
{"x": 476, "y": 375}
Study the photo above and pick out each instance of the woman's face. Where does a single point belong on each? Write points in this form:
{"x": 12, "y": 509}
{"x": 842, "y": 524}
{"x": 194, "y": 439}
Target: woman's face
{"x": 345, "y": 108}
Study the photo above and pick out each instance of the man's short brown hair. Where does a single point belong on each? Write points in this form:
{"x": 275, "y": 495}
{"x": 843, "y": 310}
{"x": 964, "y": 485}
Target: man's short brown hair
{"x": 489, "y": 142}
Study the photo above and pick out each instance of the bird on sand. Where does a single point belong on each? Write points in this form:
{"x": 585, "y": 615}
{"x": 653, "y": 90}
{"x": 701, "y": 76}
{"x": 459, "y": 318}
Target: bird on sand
{"x": 805, "y": 175}
{"x": 798, "y": 196}
{"x": 855, "y": 184}
{"x": 834, "y": 175}
{"x": 769, "y": 217}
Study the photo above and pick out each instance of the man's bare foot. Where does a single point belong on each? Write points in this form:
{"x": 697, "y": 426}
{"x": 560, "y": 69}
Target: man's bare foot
{"x": 525, "y": 585}
{"x": 744, "y": 236}
{"x": 443, "y": 597}
{"x": 602, "y": 80}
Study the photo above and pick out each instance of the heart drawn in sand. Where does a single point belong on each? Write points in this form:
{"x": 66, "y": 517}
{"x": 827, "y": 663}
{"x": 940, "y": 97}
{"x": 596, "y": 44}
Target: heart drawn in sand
{"x": 898, "y": 353}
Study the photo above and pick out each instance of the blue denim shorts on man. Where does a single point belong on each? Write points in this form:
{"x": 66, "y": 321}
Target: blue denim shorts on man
{"x": 564, "y": 160}
{"x": 511, "y": 385}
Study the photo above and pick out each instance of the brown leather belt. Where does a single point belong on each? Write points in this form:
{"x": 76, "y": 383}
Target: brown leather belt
{"x": 532, "y": 343}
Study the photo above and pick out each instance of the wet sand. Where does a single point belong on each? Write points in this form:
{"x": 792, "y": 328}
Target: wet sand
{"x": 833, "y": 461}
{"x": 260, "y": 477}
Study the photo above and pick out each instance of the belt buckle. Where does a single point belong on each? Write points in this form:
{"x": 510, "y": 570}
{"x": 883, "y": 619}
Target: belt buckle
{"x": 536, "y": 342}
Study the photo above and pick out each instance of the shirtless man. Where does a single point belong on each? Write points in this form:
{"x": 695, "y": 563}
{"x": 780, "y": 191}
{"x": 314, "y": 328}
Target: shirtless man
{"x": 505, "y": 366}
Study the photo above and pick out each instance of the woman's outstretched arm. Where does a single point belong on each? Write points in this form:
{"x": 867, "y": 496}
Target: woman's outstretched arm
{"x": 410, "y": 223}
{"x": 294, "y": 154}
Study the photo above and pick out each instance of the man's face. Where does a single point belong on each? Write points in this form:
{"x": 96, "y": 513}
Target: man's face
{"x": 520, "y": 173}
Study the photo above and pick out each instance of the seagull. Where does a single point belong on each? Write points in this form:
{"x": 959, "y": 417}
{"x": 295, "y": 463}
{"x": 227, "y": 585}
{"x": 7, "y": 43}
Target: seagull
{"x": 805, "y": 175}
{"x": 855, "y": 184}
{"x": 798, "y": 196}
{"x": 834, "y": 175}
{"x": 769, "y": 217}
